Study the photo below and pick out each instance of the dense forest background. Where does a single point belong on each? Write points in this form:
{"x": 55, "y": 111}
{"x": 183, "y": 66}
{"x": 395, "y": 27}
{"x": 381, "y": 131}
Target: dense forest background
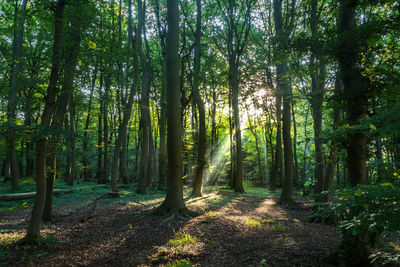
{"x": 290, "y": 95}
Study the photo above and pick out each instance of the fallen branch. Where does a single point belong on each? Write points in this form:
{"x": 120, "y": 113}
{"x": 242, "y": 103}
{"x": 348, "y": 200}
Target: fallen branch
{"x": 29, "y": 195}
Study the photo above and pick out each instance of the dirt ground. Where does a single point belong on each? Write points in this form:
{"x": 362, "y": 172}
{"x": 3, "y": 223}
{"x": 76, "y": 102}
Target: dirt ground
{"x": 232, "y": 230}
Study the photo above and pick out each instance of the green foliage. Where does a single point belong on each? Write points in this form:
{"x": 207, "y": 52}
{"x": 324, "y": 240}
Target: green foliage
{"x": 251, "y": 224}
{"x": 364, "y": 213}
{"x": 181, "y": 263}
{"x": 280, "y": 228}
{"x": 182, "y": 239}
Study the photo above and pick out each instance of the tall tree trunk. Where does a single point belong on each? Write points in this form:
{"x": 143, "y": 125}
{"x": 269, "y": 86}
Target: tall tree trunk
{"x": 100, "y": 172}
{"x": 356, "y": 87}
{"x": 87, "y": 174}
{"x": 202, "y": 142}
{"x": 277, "y": 171}
{"x": 29, "y": 159}
{"x": 71, "y": 60}
{"x": 253, "y": 130}
{"x": 162, "y": 120}
{"x": 145, "y": 121}
{"x": 287, "y": 181}
{"x": 296, "y": 161}
{"x": 127, "y": 112}
{"x": 173, "y": 203}
{"x": 16, "y": 69}
{"x": 317, "y": 70}
{"x": 333, "y": 158}
{"x": 285, "y": 89}
{"x": 234, "y": 83}
{"x": 33, "y": 231}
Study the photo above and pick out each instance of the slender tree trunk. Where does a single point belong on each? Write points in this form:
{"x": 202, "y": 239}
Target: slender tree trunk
{"x": 127, "y": 114}
{"x": 277, "y": 170}
{"x": 145, "y": 121}
{"x": 296, "y": 161}
{"x": 86, "y": 166}
{"x": 253, "y": 130}
{"x": 201, "y": 156}
{"x": 99, "y": 172}
{"x": 33, "y": 231}
{"x": 284, "y": 88}
{"x": 234, "y": 83}
{"x": 29, "y": 160}
{"x": 16, "y": 69}
{"x": 62, "y": 103}
{"x": 332, "y": 158}
{"x": 162, "y": 120}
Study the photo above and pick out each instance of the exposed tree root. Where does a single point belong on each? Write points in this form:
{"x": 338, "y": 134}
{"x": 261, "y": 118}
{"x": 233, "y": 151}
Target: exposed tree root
{"x": 170, "y": 213}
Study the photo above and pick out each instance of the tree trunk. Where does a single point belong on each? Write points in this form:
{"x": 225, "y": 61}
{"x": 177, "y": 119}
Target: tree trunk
{"x": 16, "y": 69}
{"x": 356, "y": 87}
{"x": 145, "y": 121}
{"x": 284, "y": 88}
{"x": 33, "y": 231}
{"x": 333, "y": 158}
{"x": 202, "y": 142}
{"x": 162, "y": 120}
{"x": 87, "y": 174}
{"x": 62, "y": 103}
{"x": 296, "y": 161}
{"x": 99, "y": 172}
{"x": 287, "y": 181}
{"x": 277, "y": 172}
{"x": 173, "y": 203}
{"x": 127, "y": 114}
{"x": 234, "y": 84}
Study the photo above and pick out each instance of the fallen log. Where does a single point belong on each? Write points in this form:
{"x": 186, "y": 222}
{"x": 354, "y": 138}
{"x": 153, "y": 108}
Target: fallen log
{"x": 29, "y": 195}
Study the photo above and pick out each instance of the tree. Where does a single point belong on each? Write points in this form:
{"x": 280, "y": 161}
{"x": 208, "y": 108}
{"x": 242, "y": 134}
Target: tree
{"x": 283, "y": 29}
{"x": 173, "y": 203}
{"x": 128, "y": 107}
{"x": 202, "y": 142}
{"x": 12, "y": 92}
{"x": 237, "y": 19}
{"x": 33, "y": 231}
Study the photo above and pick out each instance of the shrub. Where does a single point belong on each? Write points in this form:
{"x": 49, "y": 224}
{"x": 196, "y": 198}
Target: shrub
{"x": 364, "y": 212}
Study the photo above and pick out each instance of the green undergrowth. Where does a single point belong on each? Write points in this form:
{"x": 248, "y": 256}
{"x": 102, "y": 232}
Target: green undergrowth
{"x": 85, "y": 197}
{"x": 27, "y": 184}
{"x": 182, "y": 239}
{"x": 13, "y": 248}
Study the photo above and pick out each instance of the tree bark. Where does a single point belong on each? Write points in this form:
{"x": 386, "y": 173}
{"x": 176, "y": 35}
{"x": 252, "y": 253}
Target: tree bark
{"x": 356, "y": 87}
{"x": 145, "y": 121}
{"x": 33, "y": 231}
{"x": 284, "y": 88}
{"x": 127, "y": 114}
{"x": 71, "y": 60}
{"x": 16, "y": 69}
{"x": 202, "y": 142}
{"x": 173, "y": 203}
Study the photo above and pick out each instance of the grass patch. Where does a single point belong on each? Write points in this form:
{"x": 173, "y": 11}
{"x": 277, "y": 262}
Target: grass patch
{"x": 252, "y": 224}
{"x": 181, "y": 263}
{"x": 182, "y": 239}
{"x": 280, "y": 228}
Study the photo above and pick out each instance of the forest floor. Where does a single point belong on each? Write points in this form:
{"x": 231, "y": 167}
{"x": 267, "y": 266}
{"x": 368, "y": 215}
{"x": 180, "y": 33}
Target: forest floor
{"x": 232, "y": 230}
